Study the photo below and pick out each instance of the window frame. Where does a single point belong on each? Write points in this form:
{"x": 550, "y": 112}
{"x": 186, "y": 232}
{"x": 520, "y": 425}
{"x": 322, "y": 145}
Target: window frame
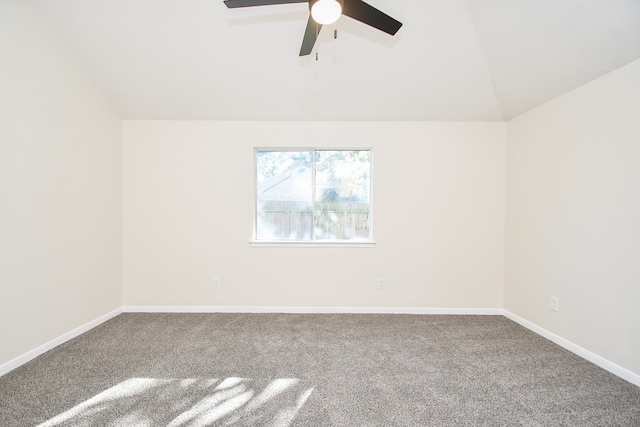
{"x": 317, "y": 243}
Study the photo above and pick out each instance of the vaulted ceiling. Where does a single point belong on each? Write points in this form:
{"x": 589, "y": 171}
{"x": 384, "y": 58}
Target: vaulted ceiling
{"x": 453, "y": 60}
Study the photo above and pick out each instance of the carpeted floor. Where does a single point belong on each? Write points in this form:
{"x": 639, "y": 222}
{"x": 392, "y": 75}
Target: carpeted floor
{"x": 313, "y": 370}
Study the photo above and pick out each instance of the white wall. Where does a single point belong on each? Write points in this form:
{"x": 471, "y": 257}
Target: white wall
{"x": 573, "y": 216}
{"x": 438, "y": 217}
{"x": 60, "y": 188}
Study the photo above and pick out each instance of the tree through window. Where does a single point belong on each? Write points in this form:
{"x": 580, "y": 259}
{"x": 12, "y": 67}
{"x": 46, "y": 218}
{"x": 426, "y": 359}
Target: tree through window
{"x": 313, "y": 195}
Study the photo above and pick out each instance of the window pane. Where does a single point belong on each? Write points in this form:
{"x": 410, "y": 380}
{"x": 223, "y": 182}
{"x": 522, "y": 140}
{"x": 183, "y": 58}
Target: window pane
{"x": 342, "y": 194}
{"x": 284, "y": 195}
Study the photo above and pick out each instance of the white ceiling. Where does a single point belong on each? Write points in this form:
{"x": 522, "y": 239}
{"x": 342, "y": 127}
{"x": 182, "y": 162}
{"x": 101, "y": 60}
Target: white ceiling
{"x": 453, "y": 60}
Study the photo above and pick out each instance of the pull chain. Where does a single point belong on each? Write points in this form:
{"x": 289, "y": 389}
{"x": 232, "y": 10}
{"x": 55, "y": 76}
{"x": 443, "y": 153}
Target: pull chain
{"x": 335, "y": 36}
{"x": 317, "y": 35}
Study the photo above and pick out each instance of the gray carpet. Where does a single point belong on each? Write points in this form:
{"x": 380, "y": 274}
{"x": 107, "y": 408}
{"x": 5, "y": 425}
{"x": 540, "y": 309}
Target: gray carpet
{"x": 313, "y": 370}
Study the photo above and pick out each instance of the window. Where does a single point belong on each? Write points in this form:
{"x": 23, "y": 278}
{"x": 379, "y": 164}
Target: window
{"x": 313, "y": 195}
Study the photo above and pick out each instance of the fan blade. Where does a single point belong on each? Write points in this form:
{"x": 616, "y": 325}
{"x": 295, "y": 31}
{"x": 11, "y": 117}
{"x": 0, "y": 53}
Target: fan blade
{"x": 310, "y": 36}
{"x": 249, "y": 3}
{"x": 367, "y": 14}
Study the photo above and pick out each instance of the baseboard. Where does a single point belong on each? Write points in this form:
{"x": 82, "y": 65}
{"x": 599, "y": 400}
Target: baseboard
{"x": 310, "y": 310}
{"x": 21, "y": 360}
{"x": 585, "y": 354}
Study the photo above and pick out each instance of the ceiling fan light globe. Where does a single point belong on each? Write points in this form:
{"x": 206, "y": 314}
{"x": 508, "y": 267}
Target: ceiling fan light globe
{"x": 326, "y": 12}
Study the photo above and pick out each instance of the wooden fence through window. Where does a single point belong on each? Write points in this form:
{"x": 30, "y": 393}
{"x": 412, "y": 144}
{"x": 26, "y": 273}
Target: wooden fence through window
{"x": 333, "y": 220}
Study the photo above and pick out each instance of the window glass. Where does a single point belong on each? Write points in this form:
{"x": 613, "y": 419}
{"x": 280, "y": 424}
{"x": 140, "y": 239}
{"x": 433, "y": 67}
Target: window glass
{"x": 284, "y": 195}
{"x": 308, "y": 195}
{"x": 342, "y": 195}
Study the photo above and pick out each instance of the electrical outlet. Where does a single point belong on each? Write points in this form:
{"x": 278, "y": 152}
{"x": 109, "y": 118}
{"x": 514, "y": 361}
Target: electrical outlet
{"x": 380, "y": 283}
{"x": 216, "y": 283}
{"x": 555, "y": 304}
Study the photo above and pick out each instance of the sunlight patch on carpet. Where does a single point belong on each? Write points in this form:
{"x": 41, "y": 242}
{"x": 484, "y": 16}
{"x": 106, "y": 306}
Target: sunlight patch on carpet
{"x": 191, "y": 402}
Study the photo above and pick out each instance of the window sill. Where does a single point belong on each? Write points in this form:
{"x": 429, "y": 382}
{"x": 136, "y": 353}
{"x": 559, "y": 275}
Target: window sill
{"x": 312, "y": 244}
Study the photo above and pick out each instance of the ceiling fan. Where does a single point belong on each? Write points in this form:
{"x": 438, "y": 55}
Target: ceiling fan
{"x": 325, "y": 12}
